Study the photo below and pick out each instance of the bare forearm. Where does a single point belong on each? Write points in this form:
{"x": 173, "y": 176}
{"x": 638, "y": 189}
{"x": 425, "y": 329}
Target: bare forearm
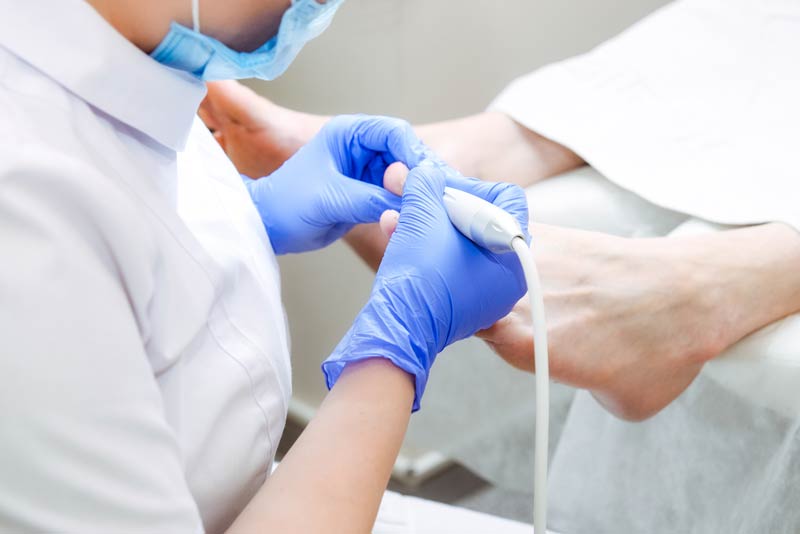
{"x": 333, "y": 478}
{"x": 493, "y": 147}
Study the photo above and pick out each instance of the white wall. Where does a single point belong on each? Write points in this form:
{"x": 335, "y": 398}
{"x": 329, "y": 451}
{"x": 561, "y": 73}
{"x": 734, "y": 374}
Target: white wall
{"x": 428, "y": 60}
{"x": 423, "y": 60}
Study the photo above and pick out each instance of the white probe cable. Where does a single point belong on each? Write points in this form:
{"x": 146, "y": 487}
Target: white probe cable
{"x": 541, "y": 361}
{"x": 495, "y": 229}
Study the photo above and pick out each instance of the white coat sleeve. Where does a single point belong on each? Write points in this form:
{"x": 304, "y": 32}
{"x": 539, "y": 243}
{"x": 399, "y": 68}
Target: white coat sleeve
{"x": 84, "y": 443}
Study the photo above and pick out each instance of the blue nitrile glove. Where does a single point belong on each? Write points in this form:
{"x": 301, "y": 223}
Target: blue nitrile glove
{"x": 434, "y": 286}
{"x": 334, "y": 182}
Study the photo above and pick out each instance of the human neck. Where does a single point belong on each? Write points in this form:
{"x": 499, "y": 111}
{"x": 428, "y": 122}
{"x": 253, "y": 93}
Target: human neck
{"x": 143, "y": 23}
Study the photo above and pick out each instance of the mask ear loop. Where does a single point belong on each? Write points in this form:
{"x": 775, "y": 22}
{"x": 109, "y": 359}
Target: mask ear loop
{"x": 196, "y": 15}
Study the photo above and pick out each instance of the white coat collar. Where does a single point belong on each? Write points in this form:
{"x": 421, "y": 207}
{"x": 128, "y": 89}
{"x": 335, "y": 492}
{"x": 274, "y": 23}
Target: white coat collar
{"x": 71, "y": 43}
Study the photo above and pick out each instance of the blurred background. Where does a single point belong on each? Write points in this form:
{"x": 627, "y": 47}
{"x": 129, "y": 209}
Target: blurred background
{"x": 425, "y": 61}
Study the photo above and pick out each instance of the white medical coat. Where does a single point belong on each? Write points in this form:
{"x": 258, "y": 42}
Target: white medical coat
{"x": 144, "y": 364}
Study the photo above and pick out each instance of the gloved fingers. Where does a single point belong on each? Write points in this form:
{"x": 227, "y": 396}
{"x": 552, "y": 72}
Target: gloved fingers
{"x": 250, "y": 184}
{"x": 510, "y": 197}
{"x": 422, "y": 201}
{"x": 513, "y": 199}
{"x": 375, "y": 169}
{"x": 359, "y": 202}
{"x": 485, "y": 190}
{"x": 391, "y": 135}
{"x": 257, "y": 187}
{"x": 424, "y": 184}
{"x": 335, "y": 232}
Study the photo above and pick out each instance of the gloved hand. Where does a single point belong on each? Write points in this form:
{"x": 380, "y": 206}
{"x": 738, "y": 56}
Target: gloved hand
{"x": 434, "y": 286}
{"x": 334, "y": 182}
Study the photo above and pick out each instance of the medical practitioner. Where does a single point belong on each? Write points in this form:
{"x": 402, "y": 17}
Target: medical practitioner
{"x": 144, "y": 358}
{"x": 691, "y": 122}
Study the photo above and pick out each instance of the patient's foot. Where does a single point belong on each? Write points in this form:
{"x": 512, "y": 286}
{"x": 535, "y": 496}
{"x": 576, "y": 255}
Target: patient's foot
{"x": 256, "y": 134}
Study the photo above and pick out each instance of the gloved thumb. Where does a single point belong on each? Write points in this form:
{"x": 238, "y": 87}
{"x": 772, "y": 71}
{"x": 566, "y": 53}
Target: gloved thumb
{"x": 423, "y": 204}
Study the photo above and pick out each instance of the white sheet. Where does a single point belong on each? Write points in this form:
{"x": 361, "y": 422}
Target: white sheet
{"x": 695, "y": 108}
{"x": 400, "y": 514}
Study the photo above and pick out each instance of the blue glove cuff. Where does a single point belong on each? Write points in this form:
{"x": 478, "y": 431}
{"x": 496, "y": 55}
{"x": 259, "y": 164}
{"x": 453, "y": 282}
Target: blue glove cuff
{"x": 379, "y": 332}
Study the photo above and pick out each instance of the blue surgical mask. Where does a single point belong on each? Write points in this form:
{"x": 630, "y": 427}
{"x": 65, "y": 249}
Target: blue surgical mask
{"x": 209, "y": 59}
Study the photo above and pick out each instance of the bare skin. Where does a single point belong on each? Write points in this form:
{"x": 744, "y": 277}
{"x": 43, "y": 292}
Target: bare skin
{"x": 257, "y": 135}
{"x": 634, "y": 320}
{"x": 360, "y": 426}
{"x": 242, "y": 28}
{"x": 631, "y": 320}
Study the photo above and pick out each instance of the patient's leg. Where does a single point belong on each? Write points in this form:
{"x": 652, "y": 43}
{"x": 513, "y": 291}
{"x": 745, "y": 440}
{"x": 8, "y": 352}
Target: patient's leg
{"x": 493, "y": 147}
{"x": 259, "y": 136}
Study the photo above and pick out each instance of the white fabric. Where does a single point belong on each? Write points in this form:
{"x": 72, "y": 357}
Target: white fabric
{"x": 724, "y": 457}
{"x": 584, "y": 199}
{"x": 144, "y": 361}
{"x": 694, "y": 108}
{"x": 400, "y": 514}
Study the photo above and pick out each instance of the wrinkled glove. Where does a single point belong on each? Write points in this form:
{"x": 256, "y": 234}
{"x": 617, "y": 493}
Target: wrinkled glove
{"x": 334, "y": 182}
{"x": 434, "y": 286}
